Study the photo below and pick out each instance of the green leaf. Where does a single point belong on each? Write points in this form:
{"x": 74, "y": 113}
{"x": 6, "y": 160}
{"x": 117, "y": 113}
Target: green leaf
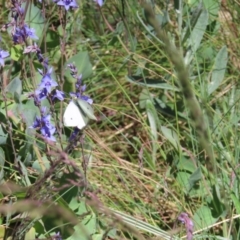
{"x": 31, "y": 234}
{"x": 196, "y": 36}
{"x": 52, "y": 39}
{"x": 171, "y": 136}
{"x": 153, "y": 121}
{"x": 186, "y": 164}
{"x": 219, "y": 68}
{"x": 2, "y": 162}
{"x": 24, "y": 170}
{"x": 144, "y": 226}
{"x": 15, "y": 86}
{"x": 196, "y": 12}
{"x": 16, "y": 52}
{"x": 98, "y": 236}
{"x": 213, "y": 7}
{"x": 203, "y": 218}
{"x": 40, "y": 167}
{"x": 82, "y": 208}
{"x": 182, "y": 179}
{"x": 87, "y": 228}
{"x": 2, "y": 231}
{"x": 90, "y": 223}
{"x": 29, "y": 112}
{"x": 73, "y": 191}
{"x": 3, "y": 135}
{"x": 144, "y": 96}
{"x": 236, "y": 202}
{"x": 74, "y": 204}
{"x": 194, "y": 178}
{"x": 2, "y": 158}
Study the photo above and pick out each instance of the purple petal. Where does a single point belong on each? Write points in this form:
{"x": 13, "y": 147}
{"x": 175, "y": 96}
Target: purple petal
{"x": 67, "y": 4}
{"x": 3, "y": 54}
{"x": 58, "y": 95}
{"x": 99, "y": 2}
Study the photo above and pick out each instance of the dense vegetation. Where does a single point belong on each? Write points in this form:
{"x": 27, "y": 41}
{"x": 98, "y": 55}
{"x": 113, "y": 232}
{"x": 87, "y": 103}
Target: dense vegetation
{"x": 158, "y": 158}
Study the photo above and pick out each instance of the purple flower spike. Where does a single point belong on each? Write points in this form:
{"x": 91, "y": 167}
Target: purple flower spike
{"x": 183, "y": 217}
{"x": 3, "y": 54}
{"x": 79, "y": 87}
{"x": 44, "y": 110}
{"x": 46, "y": 128}
{"x": 67, "y": 4}
{"x": 21, "y": 34}
{"x": 99, "y": 2}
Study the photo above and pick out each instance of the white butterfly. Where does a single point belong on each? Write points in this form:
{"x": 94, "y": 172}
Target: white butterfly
{"x": 77, "y": 114}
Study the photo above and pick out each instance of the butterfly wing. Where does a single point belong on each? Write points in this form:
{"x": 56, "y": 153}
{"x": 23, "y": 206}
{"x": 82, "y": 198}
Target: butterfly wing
{"x": 73, "y": 117}
{"x": 86, "y": 109}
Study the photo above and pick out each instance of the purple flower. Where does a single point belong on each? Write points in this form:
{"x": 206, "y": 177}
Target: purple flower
{"x": 44, "y": 110}
{"x": 42, "y": 121}
{"x": 21, "y": 34}
{"x": 41, "y": 94}
{"x": 30, "y": 32}
{"x": 18, "y": 37}
{"x": 46, "y": 120}
{"x": 3, "y": 54}
{"x": 37, "y": 123}
{"x": 83, "y": 88}
{"x": 47, "y": 132}
{"x": 46, "y": 128}
{"x": 47, "y": 82}
{"x": 74, "y": 135}
{"x": 87, "y": 99}
{"x": 183, "y": 217}
{"x": 57, "y": 236}
{"x": 56, "y": 94}
{"x": 83, "y": 97}
{"x": 67, "y": 4}
{"x": 36, "y": 99}
{"x": 73, "y": 69}
{"x": 79, "y": 82}
{"x": 99, "y": 2}
{"x": 75, "y": 95}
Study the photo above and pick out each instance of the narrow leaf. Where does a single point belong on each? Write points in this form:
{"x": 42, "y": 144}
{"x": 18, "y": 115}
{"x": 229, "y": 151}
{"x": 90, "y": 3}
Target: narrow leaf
{"x": 196, "y": 36}
{"x": 219, "y": 68}
{"x": 171, "y": 136}
{"x": 152, "y": 118}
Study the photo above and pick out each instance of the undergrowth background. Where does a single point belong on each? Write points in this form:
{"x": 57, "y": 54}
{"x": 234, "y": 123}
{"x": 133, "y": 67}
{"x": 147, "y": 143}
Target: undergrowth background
{"x": 162, "y": 159}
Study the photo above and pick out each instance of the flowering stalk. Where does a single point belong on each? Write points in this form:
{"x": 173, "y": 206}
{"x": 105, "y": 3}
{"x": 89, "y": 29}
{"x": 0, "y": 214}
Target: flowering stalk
{"x": 78, "y": 94}
{"x": 183, "y": 217}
